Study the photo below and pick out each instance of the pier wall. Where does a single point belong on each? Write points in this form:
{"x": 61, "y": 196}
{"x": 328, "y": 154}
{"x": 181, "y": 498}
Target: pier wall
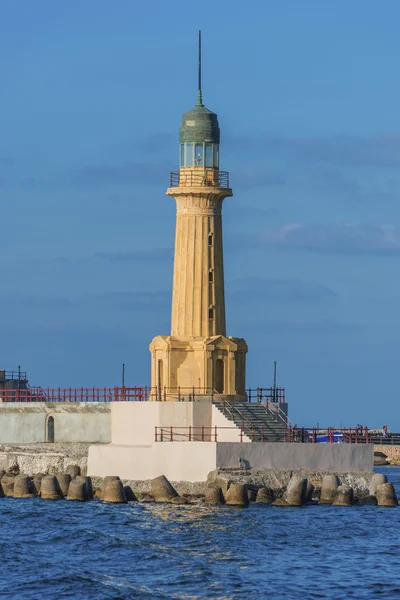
{"x": 73, "y": 422}
{"x": 279, "y": 455}
{"x": 192, "y": 461}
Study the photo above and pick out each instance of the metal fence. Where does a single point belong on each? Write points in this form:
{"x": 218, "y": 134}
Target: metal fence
{"x": 273, "y": 397}
{"x": 245, "y": 433}
{"x": 330, "y": 435}
{"x": 115, "y": 394}
{"x": 199, "y": 178}
{"x": 193, "y": 434}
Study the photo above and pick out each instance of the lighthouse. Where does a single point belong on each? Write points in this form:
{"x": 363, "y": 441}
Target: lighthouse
{"x": 198, "y": 359}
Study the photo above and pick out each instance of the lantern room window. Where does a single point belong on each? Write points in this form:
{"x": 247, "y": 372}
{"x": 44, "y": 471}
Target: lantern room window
{"x": 199, "y": 155}
{"x": 216, "y": 156}
{"x": 209, "y": 155}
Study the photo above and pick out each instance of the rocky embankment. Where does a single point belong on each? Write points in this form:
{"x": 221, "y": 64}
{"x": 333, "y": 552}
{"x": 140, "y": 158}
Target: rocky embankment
{"x": 55, "y": 471}
{"x": 230, "y": 488}
{"x": 42, "y": 458}
{"x": 278, "y": 480}
{"x": 386, "y": 455}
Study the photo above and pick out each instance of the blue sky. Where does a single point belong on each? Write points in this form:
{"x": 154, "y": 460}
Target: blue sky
{"x": 308, "y": 97}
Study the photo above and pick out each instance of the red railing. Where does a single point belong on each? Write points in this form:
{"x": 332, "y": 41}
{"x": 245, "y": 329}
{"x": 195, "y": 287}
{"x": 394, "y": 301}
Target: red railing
{"x": 194, "y": 434}
{"x": 115, "y": 394}
{"x": 291, "y": 435}
{"x": 96, "y": 394}
{"x": 331, "y": 435}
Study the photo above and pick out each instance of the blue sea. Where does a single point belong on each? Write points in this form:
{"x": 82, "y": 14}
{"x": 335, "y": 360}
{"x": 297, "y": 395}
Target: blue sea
{"x": 52, "y": 550}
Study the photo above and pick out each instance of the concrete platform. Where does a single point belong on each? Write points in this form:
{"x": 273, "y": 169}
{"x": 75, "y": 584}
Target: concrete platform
{"x": 193, "y": 461}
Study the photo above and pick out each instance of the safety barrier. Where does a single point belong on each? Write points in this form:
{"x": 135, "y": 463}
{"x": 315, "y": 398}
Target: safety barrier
{"x": 170, "y": 433}
{"x": 193, "y": 434}
{"x": 208, "y": 177}
{"x": 291, "y": 435}
{"x": 115, "y": 394}
{"x": 357, "y": 435}
{"x": 21, "y": 392}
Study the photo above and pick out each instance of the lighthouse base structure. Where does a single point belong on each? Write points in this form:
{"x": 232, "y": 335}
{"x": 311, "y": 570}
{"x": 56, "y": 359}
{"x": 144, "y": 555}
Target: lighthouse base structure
{"x": 208, "y": 366}
{"x": 149, "y": 439}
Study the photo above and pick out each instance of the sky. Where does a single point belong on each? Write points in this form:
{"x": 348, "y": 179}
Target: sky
{"x": 307, "y": 94}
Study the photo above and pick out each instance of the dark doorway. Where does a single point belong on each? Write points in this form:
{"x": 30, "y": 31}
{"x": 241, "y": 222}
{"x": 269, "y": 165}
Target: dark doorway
{"x": 219, "y": 376}
{"x": 50, "y": 430}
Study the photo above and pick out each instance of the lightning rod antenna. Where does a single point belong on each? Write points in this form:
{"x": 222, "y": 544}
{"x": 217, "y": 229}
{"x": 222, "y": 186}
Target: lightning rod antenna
{"x": 199, "y": 92}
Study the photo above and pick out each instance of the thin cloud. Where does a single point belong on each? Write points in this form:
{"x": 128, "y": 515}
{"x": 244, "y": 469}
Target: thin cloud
{"x": 279, "y": 289}
{"x": 126, "y": 174}
{"x": 252, "y": 178}
{"x": 151, "y": 255}
{"x": 336, "y": 238}
{"x": 317, "y": 327}
{"x": 129, "y": 301}
{"x": 328, "y": 179}
{"x": 345, "y": 150}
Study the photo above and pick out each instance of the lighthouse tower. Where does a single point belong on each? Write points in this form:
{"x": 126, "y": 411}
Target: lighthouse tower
{"x": 197, "y": 358}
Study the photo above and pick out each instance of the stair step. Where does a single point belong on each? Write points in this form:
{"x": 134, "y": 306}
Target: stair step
{"x": 255, "y": 421}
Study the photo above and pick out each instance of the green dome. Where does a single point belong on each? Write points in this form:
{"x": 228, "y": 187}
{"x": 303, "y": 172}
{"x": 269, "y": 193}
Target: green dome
{"x": 199, "y": 125}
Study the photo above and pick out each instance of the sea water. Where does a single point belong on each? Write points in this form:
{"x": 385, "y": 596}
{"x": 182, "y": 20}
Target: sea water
{"x": 52, "y": 550}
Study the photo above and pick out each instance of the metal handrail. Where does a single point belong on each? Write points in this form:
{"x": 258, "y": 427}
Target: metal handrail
{"x": 274, "y": 409}
{"x": 276, "y": 395}
{"x": 192, "y": 433}
{"x": 14, "y": 375}
{"x": 232, "y": 408}
{"x": 207, "y": 177}
{"x": 115, "y": 394}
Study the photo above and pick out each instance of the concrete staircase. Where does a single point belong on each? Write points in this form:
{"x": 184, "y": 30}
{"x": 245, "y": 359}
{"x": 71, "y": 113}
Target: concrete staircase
{"x": 258, "y": 424}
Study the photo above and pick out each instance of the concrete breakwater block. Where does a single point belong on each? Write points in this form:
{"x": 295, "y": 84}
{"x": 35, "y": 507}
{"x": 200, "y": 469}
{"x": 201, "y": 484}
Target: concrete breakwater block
{"x": 49, "y": 489}
{"x": 78, "y": 491}
{"x": 98, "y": 493}
{"x": 64, "y": 479}
{"x": 23, "y": 487}
{"x": 344, "y": 496}
{"x": 237, "y": 495}
{"x": 162, "y": 490}
{"x": 252, "y": 495}
{"x": 87, "y": 480}
{"x": 113, "y": 492}
{"x": 280, "y": 502}
{"x": 265, "y": 495}
{"x": 7, "y": 483}
{"x": 376, "y": 480}
{"x": 73, "y": 470}
{"x": 37, "y": 482}
{"x": 310, "y": 491}
{"x": 213, "y": 495}
{"x": 145, "y": 498}
{"x": 330, "y": 484}
{"x": 130, "y": 494}
{"x": 385, "y": 495}
{"x": 109, "y": 478}
{"x": 296, "y": 491}
{"x": 368, "y": 500}
{"x": 180, "y": 500}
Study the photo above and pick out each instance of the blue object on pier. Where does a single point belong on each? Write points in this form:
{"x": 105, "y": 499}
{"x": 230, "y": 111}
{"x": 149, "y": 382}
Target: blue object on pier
{"x": 338, "y": 438}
